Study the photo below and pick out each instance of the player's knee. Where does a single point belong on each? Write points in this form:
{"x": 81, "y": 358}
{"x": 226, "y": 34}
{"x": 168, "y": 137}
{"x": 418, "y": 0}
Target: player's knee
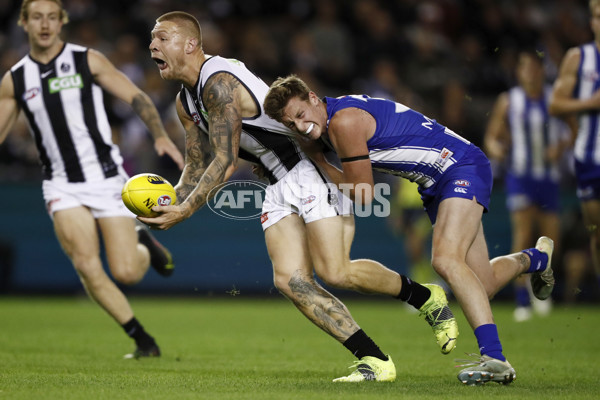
{"x": 443, "y": 266}
{"x": 126, "y": 275}
{"x": 282, "y": 283}
{"x": 90, "y": 271}
{"x": 337, "y": 278}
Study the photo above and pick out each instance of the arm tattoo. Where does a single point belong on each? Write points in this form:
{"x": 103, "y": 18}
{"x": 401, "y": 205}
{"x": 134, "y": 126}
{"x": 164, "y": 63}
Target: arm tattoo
{"x": 146, "y": 110}
{"x": 198, "y": 157}
{"x": 222, "y": 102}
{"x": 225, "y": 120}
{"x": 321, "y": 307}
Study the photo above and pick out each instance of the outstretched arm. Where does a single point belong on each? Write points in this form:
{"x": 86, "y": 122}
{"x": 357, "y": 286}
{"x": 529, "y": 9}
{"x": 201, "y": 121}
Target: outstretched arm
{"x": 222, "y": 99}
{"x": 9, "y": 109}
{"x": 198, "y": 154}
{"x": 119, "y": 85}
{"x": 209, "y": 160}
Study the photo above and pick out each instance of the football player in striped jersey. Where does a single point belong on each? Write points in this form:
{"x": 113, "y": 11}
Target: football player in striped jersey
{"x": 59, "y": 87}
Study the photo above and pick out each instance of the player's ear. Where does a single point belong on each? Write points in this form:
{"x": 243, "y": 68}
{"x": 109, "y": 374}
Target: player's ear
{"x": 190, "y": 45}
{"x": 313, "y": 98}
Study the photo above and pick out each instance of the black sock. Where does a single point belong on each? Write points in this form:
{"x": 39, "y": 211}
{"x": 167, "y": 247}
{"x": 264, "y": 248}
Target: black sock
{"x": 413, "y": 293}
{"x": 136, "y": 331}
{"x": 362, "y": 345}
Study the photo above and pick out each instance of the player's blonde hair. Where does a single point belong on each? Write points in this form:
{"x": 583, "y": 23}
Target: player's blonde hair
{"x": 281, "y": 92}
{"x": 187, "y": 21}
{"x": 24, "y": 14}
{"x": 594, "y": 3}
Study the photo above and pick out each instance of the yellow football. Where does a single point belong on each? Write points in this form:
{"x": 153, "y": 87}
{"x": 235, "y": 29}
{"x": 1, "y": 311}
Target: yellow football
{"x": 144, "y": 191}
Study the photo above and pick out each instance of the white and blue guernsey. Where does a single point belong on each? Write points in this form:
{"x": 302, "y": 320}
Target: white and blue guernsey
{"x": 587, "y": 144}
{"x": 411, "y": 145}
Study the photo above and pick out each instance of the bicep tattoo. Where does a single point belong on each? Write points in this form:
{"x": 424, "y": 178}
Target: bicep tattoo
{"x": 222, "y": 102}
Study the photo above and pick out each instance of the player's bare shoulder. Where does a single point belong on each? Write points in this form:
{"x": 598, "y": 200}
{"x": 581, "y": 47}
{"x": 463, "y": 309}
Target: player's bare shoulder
{"x": 353, "y": 122}
{"x": 220, "y": 90}
{"x": 571, "y": 60}
{"x": 224, "y": 89}
{"x": 7, "y": 86}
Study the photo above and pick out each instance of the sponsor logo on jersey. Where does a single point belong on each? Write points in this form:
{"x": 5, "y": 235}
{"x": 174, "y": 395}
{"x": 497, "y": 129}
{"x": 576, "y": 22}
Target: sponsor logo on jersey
{"x": 31, "y": 93}
{"x": 196, "y": 118}
{"x": 590, "y": 75}
{"x": 264, "y": 218}
{"x": 460, "y": 190}
{"x": 308, "y": 200}
{"x": 444, "y": 156}
{"x": 66, "y": 82}
{"x": 462, "y": 182}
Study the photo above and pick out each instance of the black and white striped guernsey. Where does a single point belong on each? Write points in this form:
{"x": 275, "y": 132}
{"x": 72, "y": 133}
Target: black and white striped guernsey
{"x": 263, "y": 140}
{"x": 66, "y": 115}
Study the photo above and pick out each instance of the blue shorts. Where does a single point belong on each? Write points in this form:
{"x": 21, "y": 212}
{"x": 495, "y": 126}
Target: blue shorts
{"x": 522, "y": 192}
{"x": 588, "y": 180}
{"x": 470, "y": 178}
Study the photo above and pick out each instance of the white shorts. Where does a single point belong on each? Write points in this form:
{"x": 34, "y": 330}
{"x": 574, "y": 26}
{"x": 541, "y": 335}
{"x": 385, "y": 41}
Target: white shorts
{"x": 102, "y": 198}
{"x": 303, "y": 191}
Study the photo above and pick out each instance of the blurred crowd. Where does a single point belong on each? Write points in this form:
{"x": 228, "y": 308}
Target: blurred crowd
{"x": 446, "y": 58}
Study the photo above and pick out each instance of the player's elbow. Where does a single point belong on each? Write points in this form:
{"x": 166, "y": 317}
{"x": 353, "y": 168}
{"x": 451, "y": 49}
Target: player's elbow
{"x": 554, "y": 108}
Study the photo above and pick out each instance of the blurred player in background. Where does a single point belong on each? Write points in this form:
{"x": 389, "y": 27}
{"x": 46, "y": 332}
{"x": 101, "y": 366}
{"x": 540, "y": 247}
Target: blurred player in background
{"x": 59, "y": 86}
{"x": 455, "y": 183}
{"x": 529, "y": 142}
{"x": 308, "y": 225}
{"x": 576, "y": 94}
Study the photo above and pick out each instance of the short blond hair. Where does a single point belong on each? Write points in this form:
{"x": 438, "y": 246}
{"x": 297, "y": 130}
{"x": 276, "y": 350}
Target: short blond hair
{"x": 281, "y": 92}
{"x": 594, "y": 3}
{"x": 187, "y": 21}
{"x": 24, "y": 14}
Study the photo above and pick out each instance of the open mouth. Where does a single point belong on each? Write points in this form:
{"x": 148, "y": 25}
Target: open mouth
{"x": 310, "y": 128}
{"x": 161, "y": 63}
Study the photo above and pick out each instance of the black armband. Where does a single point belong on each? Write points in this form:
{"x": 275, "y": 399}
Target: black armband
{"x": 356, "y": 158}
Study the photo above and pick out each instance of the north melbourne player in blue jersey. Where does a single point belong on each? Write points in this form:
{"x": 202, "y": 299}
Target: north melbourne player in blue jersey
{"x": 455, "y": 182}
{"x": 528, "y": 143}
{"x": 576, "y": 94}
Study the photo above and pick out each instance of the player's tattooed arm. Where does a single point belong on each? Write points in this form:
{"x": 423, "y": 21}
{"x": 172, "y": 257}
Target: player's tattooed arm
{"x": 197, "y": 153}
{"x": 222, "y": 101}
{"x": 321, "y": 307}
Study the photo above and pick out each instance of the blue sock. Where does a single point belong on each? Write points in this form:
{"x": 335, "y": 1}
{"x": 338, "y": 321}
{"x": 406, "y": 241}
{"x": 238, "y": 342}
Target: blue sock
{"x": 539, "y": 260}
{"x": 522, "y": 296}
{"x": 489, "y": 342}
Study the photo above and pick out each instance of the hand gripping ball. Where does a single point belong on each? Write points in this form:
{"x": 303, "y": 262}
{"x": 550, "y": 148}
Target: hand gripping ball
{"x": 144, "y": 191}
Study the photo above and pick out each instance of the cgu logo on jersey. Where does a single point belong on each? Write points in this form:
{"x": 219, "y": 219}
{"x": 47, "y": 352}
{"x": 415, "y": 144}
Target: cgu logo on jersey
{"x": 65, "y": 82}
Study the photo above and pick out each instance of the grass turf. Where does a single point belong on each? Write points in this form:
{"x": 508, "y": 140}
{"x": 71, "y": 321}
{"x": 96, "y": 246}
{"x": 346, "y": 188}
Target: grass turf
{"x": 249, "y": 348}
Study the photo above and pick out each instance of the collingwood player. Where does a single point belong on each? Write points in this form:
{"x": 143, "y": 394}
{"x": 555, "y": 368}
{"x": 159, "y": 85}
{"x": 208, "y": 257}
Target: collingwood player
{"x": 59, "y": 86}
{"x": 454, "y": 179}
{"x": 307, "y": 228}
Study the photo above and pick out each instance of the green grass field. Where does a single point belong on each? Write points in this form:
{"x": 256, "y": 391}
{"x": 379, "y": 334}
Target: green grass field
{"x": 249, "y": 348}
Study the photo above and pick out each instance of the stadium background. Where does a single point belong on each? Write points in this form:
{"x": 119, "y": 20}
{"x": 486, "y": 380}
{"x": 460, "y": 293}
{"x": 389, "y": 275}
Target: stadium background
{"x": 447, "y": 58}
